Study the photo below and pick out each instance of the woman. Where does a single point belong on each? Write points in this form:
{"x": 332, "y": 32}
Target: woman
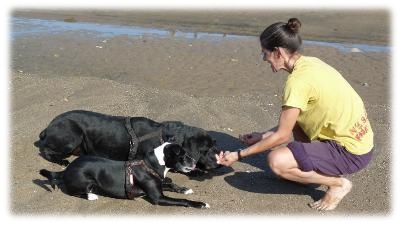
{"x": 332, "y": 134}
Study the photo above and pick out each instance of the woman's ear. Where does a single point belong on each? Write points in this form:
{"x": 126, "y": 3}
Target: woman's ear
{"x": 279, "y": 52}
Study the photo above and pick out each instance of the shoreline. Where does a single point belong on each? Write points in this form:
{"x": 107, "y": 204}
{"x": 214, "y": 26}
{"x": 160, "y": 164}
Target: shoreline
{"x": 371, "y": 30}
{"x": 30, "y": 26}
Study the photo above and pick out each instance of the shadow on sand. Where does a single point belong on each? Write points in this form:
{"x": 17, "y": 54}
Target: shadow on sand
{"x": 264, "y": 181}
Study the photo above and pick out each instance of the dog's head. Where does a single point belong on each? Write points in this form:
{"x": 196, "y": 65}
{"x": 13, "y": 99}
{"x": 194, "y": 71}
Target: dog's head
{"x": 59, "y": 141}
{"x": 205, "y": 147}
{"x": 178, "y": 159}
{"x": 193, "y": 140}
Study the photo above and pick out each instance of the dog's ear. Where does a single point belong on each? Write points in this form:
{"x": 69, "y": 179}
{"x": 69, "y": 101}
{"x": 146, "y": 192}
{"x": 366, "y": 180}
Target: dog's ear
{"x": 42, "y": 134}
{"x": 175, "y": 148}
{"x": 171, "y": 139}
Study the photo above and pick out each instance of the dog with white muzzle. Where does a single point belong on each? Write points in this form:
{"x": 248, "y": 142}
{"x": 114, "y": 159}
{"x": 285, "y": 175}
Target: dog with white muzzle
{"x": 88, "y": 176}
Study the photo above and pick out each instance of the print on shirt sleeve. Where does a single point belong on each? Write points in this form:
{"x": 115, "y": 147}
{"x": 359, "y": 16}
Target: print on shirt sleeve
{"x": 360, "y": 128}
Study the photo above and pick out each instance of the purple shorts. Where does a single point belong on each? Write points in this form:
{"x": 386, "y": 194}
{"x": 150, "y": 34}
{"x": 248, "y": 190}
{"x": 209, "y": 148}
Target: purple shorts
{"x": 327, "y": 157}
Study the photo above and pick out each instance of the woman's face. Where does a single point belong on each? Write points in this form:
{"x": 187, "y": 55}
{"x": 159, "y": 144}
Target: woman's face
{"x": 272, "y": 57}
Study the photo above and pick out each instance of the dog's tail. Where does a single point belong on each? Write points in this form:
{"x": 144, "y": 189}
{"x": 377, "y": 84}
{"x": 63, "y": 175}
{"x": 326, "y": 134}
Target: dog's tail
{"x": 54, "y": 177}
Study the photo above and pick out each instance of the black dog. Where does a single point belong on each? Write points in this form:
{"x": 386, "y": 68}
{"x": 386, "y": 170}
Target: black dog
{"x": 89, "y": 133}
{"x": 90, "y": 175}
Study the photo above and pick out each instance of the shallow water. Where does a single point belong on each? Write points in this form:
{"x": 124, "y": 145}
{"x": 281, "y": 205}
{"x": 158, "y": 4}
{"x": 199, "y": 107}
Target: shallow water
{"x": 22, "y": 27}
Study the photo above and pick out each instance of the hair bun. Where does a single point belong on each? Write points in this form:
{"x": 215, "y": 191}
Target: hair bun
{"x": 294, "y": 25}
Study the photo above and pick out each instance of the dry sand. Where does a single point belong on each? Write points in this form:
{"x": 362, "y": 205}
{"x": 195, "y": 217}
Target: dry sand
{"x": 221, "y": 86}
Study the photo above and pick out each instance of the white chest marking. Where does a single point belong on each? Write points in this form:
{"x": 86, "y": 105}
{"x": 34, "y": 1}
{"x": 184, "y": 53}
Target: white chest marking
{"x": 166, "y": 171}
{"x": 159, "y": 152}
{"x": 92, "y": 197}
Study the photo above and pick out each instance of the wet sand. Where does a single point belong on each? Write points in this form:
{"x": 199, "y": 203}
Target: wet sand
{"x": 221, "y": 86}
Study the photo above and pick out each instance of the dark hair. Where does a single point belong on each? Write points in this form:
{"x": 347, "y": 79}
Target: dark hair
{"x": 282, "y": 35}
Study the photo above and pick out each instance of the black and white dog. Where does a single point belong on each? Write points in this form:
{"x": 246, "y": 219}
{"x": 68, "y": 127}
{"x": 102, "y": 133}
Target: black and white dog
{"x": 81, "y": 132}
{"x": 87, "y": 176}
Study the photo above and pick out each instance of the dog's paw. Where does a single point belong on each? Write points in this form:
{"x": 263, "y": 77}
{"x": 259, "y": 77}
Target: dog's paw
{"x": 64, "y": 163}
{"x": 188, "y": 191}
{"x": 54, "y": 186}
{"x": 92, "y": 197}
{"x": 167, "y": 180}
{"x": 200, "y": 205}
{"x": 205, "y": 206}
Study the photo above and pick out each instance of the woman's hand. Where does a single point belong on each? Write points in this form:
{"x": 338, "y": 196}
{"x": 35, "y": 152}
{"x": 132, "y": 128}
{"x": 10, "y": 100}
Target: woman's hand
{"x": 227, "y": 158}
{"x": 252, "y": 138}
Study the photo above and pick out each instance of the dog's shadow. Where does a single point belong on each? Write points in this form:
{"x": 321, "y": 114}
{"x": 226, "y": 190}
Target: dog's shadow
{"x": 264, "y": 181}
{"x": 260, "y": 182}
{"x": 43, "y": 184}
{"x": 46, "y": 184}
{"x": 226, "y": 142}
{"x": 58, "y": 186}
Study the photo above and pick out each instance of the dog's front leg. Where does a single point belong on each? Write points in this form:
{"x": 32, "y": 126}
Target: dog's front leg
{"x": 167, "y": 201}
{"x": 63, "y": 162}
{"x": 154, "y": 193}
{"x": 169, "y": 186}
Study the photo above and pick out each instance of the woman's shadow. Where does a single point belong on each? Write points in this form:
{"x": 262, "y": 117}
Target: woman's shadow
{"x": 264, "y": 181}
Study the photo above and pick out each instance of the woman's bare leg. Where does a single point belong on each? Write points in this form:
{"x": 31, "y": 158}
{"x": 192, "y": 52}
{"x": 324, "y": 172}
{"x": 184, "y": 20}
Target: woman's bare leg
{"x": 283, "y": 163}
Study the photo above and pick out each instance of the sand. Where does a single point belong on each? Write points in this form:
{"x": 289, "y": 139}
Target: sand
{"x": 221, "y": 86}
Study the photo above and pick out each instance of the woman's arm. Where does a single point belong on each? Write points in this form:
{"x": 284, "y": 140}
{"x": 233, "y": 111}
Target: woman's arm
{"x": 287, "y": 121}
{"x": 255, "y": 137}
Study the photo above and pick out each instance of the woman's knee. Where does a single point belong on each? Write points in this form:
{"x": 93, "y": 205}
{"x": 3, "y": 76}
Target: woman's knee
{"x": 281, "y": 160}
{"x": 275, "y": 162}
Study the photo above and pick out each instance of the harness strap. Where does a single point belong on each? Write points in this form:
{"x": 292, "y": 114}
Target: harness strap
{"x": 129, "y": 181}
{"x": 130, "y": 178}
{"x": 134, "y": 142}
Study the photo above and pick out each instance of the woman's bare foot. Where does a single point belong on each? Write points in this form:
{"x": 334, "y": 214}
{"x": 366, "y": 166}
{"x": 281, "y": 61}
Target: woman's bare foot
{"x": 333, "y": 196}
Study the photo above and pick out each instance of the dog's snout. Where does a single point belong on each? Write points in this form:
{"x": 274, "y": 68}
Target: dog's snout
{"x": 214, "y": 150}
{"x": 38, "y": 144}
{"x": 190, "y": 159}
{"x": 188, "y": 162}
{"x": 45, "y": 155}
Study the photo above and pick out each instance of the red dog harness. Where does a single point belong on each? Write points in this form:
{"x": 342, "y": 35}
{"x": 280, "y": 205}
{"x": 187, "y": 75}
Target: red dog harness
{"x": 130, "y": 166}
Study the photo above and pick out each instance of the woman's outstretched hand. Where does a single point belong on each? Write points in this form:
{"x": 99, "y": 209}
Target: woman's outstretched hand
{"x": 227, "y": 158}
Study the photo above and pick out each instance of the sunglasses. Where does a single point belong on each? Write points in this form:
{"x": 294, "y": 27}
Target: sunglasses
{"x": 263, "y": 56}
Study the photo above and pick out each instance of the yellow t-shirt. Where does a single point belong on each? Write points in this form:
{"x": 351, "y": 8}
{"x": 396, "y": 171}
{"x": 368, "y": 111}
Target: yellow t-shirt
{"x": 330, "y": 109}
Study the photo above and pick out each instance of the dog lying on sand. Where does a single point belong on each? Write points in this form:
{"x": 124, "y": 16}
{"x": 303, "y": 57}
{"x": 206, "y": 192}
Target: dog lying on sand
{"x": 120, "y": 138}
{"x": 88, "y": 176}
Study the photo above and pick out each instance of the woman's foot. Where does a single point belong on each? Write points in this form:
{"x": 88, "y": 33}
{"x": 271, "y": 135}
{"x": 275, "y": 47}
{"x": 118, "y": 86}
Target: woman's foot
{"x": 333, "y": 196}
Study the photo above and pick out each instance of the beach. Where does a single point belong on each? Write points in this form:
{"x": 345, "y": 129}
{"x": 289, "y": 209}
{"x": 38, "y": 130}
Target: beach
{"x": 218, "y": 83}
